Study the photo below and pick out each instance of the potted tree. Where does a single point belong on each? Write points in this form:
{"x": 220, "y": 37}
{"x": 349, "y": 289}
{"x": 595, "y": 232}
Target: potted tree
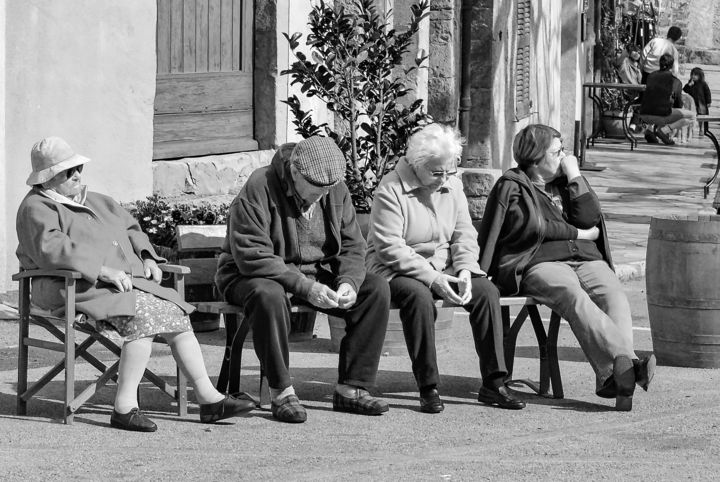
{"x": 610, "y": 50}
{"x": 355, "y": 67}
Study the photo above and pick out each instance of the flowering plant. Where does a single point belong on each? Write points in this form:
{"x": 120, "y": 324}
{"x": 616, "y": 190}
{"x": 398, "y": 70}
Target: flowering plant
{"x": 158, "y": 217}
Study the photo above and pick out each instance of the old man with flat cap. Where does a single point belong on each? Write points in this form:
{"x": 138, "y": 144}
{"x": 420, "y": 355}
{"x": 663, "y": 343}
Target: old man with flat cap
{"x": 293, "y": 238}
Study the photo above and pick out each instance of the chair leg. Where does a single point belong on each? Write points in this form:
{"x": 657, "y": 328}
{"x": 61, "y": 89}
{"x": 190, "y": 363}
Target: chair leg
{"x": 554, "y": 363}
{"x": 264, "y": 397}
{"x": 23, "y": 333}
{"x": 69, "y": 349}
{"x": 542, "y": 345}
{"x": 181, "y": 393}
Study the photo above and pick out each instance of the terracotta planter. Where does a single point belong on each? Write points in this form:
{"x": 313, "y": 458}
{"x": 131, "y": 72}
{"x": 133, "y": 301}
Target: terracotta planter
{"x": 394, "y": 339}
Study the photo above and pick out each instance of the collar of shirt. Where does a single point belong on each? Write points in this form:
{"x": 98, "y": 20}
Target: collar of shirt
{"x": 77, "y": 201}
{"x": 409, "y": 180}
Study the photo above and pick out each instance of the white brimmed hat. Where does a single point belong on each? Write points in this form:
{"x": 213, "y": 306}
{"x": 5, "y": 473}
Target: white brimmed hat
{"x": 50, "y": 157}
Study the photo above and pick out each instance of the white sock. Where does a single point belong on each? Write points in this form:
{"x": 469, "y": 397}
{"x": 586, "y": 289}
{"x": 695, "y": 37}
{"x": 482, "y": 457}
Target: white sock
{"x": 278, "y": 394}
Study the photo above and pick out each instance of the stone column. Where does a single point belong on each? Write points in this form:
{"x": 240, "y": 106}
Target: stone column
{"x": 443, "y": 87}
{"x": 418, "y": 78}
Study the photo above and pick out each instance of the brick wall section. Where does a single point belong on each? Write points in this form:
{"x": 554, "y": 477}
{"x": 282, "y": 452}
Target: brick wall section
{"x": 207, "y": 176}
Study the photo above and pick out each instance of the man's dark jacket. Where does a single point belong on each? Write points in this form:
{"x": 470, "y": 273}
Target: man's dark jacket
{"x": 513, "y": 228}
{"x": 262, "y": 240}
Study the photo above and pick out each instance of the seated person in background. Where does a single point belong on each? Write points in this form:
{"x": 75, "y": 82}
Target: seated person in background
{"x": 292, "y": 233}
{"x": 629, "y": 69}
{"x": 543, "y": 235}
{"x": 62, "y": 225}
{"x": 662, "y": 103}
{"x": 422, "y": 240}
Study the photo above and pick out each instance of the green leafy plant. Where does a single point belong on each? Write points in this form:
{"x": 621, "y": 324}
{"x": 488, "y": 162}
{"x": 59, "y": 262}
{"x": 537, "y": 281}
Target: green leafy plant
{"x": 356, "y": 68}
{"x": 610, "y": 49}
{"x": 158, "y": 217}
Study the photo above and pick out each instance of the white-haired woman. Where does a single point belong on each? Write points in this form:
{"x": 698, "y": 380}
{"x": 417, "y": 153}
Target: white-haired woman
{"x": 422, "y": 240}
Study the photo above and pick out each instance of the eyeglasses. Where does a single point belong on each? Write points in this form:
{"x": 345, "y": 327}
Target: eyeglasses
{"x": 557, "y": 153}
{"x": 71, "y": 172}
{"x": 440, "y": 173}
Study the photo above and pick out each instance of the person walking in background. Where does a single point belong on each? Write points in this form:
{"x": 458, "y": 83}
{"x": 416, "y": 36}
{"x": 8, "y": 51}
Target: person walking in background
{"x": 699, "y": 91}
{"x": 658, "y": 47}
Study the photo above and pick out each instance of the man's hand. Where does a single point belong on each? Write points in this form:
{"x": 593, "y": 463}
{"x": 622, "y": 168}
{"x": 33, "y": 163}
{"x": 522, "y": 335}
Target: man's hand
{"x": 442, "y": 287}
{"x": 465, "y": 286}
{"x": 589, "y": 234}
{"x": 346, "y": 296}
{"x": 151, "y": 270}
{"x": 569, "y": 166}
{"x": 322, "y": 296}
{"x": 120, "y": 279}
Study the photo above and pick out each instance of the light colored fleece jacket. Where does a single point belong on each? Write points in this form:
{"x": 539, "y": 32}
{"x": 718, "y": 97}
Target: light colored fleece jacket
{"x": 420, "y": 234}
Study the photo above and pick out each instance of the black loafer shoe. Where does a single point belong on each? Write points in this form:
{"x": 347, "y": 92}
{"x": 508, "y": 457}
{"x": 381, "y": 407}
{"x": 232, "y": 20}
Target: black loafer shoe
{"x": 650, "y": 137}
{"x": 225, "y": 408}
{"x": 430, "y": 401}
{"x": 499, "y": 397}
{"x": 362, "y": 403}
{"x": 644, "y": 371}
{"x": 664, "y": 137}
{"x": 289, "y": 410}
{"x": 134, "y": 421}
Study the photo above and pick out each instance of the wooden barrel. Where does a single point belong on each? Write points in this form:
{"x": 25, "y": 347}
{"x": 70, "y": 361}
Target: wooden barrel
{"x": 683, "y": 290}
{"x": 394, "y": 339}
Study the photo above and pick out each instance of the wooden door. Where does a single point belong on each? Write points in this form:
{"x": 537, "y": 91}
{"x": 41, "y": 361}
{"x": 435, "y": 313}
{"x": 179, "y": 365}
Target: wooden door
{"x": 204, "y": 93}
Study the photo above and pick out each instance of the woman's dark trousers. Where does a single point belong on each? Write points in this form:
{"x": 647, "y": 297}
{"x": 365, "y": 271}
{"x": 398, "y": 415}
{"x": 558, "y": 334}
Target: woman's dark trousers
{"x": 417, "y": 312}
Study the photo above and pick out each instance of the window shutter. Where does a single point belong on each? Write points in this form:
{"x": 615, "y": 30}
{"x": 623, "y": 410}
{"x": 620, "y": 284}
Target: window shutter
{"x": 523, "y": 103}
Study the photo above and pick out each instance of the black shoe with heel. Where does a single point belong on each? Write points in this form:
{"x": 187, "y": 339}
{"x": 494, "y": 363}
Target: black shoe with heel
{"x": 430, "y": 401}
{"x": 645, "y": 371}
{"x": 624, "y": 376}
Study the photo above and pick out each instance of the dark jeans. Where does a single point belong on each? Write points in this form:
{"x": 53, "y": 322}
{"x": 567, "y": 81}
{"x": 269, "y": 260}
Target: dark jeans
{"x": 267, "y": 308}
{"x": 417, "y": 312}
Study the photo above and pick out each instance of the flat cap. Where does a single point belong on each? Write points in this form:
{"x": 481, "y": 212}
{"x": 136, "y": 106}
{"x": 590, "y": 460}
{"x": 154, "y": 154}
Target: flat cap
{"x": 319, "y": 160}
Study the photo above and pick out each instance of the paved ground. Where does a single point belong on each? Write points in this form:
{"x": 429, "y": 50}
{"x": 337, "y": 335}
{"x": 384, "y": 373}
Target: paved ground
{"x": 671, "y": 434}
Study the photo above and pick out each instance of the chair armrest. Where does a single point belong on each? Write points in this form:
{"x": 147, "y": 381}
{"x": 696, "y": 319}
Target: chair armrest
{"x": 174, "y": 268}
{"x": 57, "y": 273}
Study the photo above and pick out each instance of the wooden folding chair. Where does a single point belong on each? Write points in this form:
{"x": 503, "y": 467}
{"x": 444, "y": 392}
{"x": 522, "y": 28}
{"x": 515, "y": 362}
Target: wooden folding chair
{"x": 64, "y": 329}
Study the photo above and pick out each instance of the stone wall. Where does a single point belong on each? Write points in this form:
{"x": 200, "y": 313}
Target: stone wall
{"x": 208, "y": 175}
{"x": 700, "y": 23}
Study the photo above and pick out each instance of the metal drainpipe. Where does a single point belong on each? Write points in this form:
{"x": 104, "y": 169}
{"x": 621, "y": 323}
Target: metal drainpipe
{"x": 465, "y": 39}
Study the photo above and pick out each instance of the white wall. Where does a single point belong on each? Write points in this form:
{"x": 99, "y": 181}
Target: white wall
{"x": 83, "y": 70}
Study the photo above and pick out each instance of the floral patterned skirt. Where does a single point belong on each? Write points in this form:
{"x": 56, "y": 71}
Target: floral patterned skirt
{"x": 153, "y": 316}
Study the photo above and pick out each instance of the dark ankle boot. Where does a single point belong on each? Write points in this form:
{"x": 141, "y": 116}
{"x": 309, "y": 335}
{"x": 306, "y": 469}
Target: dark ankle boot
{"x": 624, "y": 375}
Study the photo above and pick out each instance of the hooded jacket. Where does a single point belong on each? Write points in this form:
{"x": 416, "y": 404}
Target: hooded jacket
{"x": 83, "y": 238}
{"x": 513, "y": 228}
{"x": 262, "y": 239}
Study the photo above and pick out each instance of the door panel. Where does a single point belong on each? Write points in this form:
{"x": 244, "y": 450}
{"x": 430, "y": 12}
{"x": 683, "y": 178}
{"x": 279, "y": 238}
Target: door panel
{"x": 204, "y": 78}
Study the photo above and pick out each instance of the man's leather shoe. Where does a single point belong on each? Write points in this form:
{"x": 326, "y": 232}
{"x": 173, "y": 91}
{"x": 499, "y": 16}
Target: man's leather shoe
{"x": 430, "y": 401}
{"x": 650, "y": 137}
{"x": 134, "y": 420}
{"x": 499, "y": 397}
{"x": 664, "y": 137}
{"x": 644, "y": 371}
{"x": 289, "y": 410}
{"x": 362, "y": 403}
{"x": 225, "y": 408}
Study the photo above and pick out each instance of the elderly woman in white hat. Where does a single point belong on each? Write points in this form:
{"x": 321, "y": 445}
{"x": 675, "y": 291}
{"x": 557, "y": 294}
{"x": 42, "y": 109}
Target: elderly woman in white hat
{"x": 62, "y": 225}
